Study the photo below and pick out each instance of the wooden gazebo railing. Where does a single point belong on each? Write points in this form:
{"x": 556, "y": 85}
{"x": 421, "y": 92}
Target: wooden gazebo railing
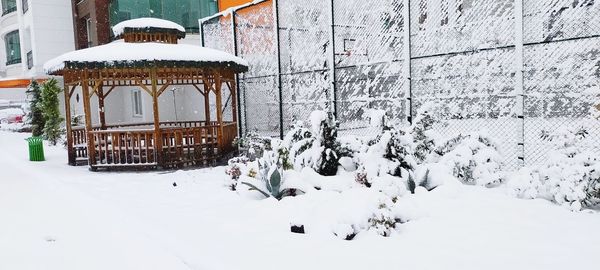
{"x": 187, "y": 143}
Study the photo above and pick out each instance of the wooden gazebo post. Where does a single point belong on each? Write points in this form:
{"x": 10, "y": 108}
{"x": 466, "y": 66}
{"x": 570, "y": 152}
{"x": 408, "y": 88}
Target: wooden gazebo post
{"x": 70, "y": 151}
{"x": 85, "y": 86}
{"x": 206, "y": 100}
{"x": 157, "y": 134}
{"x": 101, "y": 107}
{"x": 219, "y": 105}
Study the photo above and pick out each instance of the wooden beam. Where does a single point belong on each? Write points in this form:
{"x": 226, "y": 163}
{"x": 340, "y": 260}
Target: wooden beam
{"x": 233, "y": 91}
{"x": 91, "y": 146}
{"x": 101, "y": 107}
{"x": 207, "y": 104}
{"x": 218, "y": 85}
{"x": 72, "y": 91}
{"x": 68, "y": 124}
{"x": 109, "y": 90}
{"x": 202, "y": 92}
{"x": 143, "y": 86}
{"x": 163, "y": 88}
{"x": 155, "y": 109}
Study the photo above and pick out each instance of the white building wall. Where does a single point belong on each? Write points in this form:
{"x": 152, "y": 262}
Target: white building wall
{"x": 45, "y": 29}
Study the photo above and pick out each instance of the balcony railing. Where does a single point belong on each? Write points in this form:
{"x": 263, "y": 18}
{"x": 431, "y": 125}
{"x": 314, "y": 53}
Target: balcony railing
{"x": 30, "y": 60}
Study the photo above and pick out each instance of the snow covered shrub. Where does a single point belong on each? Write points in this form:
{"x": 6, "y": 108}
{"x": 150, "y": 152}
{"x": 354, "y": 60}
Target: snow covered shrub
{"x": 271, "y": 178}
{"x": 362, "y": 179}
{"x": 474, "y": 160}
{"x": 570, "y": 177}
{"x": 252, "y": 145}
{"x": 424, "y": 137}
{"x": 317, "y": 148}
{"x": 234, "y": 172}
{"x": 423, "y": 181}
{"x": 51, "y": 112}
{"x": 383, "y": 221}
{"x": 389, "y": 153}
{"x": 380, "y": 218}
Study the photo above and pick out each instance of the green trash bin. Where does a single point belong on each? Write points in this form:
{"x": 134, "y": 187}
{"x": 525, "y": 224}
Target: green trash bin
{"x": 36, "y": 149}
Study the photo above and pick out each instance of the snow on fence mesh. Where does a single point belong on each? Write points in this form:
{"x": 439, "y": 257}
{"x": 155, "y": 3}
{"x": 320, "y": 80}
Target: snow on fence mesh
{"x": 463, "y": 55}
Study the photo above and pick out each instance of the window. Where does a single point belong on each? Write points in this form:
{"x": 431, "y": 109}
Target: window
{"x": 88, "y": 32}
{"x": 9, "y": 6}
{"x": 25, "y": 5}
{"x": 136, "y": 97}
{"x": 30, "y": 60}
{"x": 13, "y": 48}
{"x": 184, "y": 12}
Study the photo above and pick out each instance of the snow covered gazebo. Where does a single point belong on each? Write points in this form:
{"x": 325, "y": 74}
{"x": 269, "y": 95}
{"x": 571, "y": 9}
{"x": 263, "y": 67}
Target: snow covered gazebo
{"x": 148, "y": 57}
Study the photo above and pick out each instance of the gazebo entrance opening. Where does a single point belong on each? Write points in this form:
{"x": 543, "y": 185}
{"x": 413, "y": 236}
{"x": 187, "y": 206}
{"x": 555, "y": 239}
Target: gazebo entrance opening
{"x": 151, "y": 60}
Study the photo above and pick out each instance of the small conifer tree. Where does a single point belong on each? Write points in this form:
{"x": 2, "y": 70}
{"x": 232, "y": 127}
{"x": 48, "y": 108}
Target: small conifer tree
{"x": 421, "y": 129}
{"x": 329, "y": 160}
{"x": 51, "y": 112}
{"x": 35, "y": 117}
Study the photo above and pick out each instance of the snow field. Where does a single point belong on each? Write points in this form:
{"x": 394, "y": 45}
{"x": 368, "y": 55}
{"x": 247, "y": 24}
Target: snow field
{"x": 60, "y": 217}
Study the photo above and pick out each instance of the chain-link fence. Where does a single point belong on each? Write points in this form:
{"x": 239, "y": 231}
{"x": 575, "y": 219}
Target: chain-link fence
{"x": 515, "y": 68}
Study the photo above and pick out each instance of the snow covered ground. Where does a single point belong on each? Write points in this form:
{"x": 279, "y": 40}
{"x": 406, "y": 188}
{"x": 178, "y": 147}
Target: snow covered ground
{"x": 53, "y": 216}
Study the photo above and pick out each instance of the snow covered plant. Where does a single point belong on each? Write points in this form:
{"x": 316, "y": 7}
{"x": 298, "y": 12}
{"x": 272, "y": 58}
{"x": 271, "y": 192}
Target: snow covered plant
{"x": 50, "y": 110}
{"x": 474, "y": 160}
{"x": 424, "y": 136}
{"x": 570, "y": 177}
{"x": 316, "y": 148}
{"x": 370, "y": 213}
{"x": 389, "y": 153}
{"x": 384, "y": 221}
{"x": 35, "y": 117}
{"x": 271, "y": 178}
{"x": 252, "y": 145}
{"x": 234, "y": 170}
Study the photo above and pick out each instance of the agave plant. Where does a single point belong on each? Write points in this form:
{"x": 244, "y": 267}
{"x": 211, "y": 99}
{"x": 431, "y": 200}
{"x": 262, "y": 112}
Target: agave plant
{"x": 271, "y": 174}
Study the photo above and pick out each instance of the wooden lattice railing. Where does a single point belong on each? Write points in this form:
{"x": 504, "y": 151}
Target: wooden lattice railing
{"x": 130, "y": 145}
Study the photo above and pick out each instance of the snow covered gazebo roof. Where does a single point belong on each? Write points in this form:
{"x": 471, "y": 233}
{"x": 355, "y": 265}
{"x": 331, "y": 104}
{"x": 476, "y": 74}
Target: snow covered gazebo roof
{"x": 148, "y": 25}
{"x": 119, "y": 54}
{"x": 146, "y": 43}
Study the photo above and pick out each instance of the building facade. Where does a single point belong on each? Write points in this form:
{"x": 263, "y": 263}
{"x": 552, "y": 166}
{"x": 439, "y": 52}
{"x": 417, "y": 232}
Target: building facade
{"x": 225, "y": 4}
{"x": 93, "y": 19}
{"x": 32, "y": 32}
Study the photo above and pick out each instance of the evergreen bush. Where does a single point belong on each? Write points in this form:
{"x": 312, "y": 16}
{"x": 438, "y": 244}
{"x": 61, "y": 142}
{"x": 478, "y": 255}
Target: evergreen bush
{"x": 50, "y": 110}
{"x": 35, "y": 117}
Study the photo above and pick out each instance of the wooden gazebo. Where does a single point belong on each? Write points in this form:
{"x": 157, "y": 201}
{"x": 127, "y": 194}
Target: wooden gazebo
{"x": 149, "y": 57}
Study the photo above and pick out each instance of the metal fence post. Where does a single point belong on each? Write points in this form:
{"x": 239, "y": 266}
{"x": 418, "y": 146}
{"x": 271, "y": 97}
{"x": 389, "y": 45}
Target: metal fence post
{"x": 202, "y": 33}
{"x": 407, "y": 62}
{"x": 237, "y": 78}
{"x": 279, "y": 76}
{"x": 332, "y": 60}
{"x": 519, "y": 87}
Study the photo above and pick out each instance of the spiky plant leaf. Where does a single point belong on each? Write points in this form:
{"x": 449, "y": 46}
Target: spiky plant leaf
{"x": 253, "y": 187}
{"x": 411, "y": 184}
